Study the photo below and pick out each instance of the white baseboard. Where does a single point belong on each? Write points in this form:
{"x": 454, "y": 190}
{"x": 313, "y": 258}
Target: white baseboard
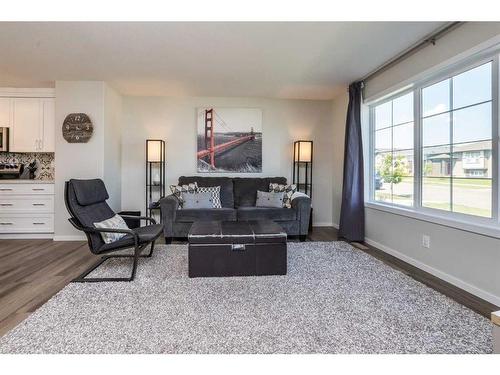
{"x": 70, "y": 238}
{"x": 26, "y": 236}
{"x": 322, "y": 224}
{"x": 440, "y": 274}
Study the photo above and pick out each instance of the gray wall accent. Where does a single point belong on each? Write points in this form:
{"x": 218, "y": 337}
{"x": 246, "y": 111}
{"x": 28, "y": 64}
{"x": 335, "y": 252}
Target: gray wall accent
{"x": 467, "y": 260}
{"x": 470, "y": 35}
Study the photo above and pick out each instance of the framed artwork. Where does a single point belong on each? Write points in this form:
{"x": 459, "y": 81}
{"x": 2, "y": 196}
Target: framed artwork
{"x": 229, "y": 140}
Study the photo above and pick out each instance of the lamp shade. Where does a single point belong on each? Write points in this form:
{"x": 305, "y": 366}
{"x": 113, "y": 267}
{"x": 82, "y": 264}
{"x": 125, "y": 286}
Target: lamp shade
{"x": 155, "y": 150}
{"x": 303, "y": 151}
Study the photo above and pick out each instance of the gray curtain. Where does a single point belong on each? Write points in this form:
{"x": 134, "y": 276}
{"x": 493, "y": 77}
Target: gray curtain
{"x": 352, "y": 213}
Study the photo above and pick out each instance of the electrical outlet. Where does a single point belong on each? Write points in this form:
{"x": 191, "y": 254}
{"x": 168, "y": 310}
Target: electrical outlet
{"x": 426, "y": 241}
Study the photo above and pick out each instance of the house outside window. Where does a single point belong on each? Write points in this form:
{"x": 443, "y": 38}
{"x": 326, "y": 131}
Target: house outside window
{"x": 432, "y": 145}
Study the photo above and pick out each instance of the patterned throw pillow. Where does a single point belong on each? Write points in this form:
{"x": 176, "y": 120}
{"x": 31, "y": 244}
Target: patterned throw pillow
{"x": 215, "y": 190}
{"x": 177, "y": 190}
{"x": 115, "y": 222}
{"x": 287, "y": 189}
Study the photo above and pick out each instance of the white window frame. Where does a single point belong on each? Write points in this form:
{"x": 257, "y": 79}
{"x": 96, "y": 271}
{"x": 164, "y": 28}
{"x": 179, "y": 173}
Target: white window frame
{"x": 476, "y": 224}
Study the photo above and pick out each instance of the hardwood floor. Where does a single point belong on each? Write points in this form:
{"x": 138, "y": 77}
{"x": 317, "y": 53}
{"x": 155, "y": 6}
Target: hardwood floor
{"x": 32, "y": 271}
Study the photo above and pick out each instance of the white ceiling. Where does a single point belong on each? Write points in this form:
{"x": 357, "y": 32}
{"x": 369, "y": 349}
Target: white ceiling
{"x": 282, "y": 60}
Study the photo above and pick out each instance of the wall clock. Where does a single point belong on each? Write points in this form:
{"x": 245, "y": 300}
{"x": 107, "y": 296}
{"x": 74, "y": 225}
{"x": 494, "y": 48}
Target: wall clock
{"x": 77, "y": 128}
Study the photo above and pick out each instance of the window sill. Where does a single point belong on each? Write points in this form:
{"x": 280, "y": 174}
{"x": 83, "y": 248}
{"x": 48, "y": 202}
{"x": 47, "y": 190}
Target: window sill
{"x": 484, "y": 229}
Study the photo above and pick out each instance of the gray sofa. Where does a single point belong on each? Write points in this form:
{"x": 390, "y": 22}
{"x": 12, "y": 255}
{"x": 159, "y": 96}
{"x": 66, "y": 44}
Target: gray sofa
{"x": 238, "y": 196}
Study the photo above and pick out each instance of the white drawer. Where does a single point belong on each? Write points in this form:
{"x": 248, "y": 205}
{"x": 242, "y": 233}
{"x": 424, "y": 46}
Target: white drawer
{"x": 16, "y": 189}
{"x": 26, "y": 203}
{"x": 27, "y": 223}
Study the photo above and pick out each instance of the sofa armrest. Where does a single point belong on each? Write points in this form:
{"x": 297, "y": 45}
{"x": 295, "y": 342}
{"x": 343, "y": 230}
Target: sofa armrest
{"x": 301, "y": 203}
{"x": 168, "y": 209}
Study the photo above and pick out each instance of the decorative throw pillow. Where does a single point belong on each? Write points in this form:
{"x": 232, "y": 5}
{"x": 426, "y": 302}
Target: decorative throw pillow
{"x": 215, "y": 190}
{"x": 177, "y": 190}
{"x": 197, "y": 200}
{"x": 269, "y": 199}
{"x": 287, "y": 189}
{"x": 115, "y": 222}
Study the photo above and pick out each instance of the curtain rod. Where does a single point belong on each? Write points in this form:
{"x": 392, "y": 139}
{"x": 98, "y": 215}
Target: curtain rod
{"x": 429, "y": 39}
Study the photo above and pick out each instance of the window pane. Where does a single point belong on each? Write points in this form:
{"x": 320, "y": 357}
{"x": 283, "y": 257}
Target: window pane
{"x": 383, "y": 115}
{"x": 383, "y": 171}
{"x": 473, "y": 160}
{"x": 402, "y": 192}
{"x": 403, "y": 163}
{"x": 436, "y": 162}
{"x": 403, "y": 109}
{"x": 472, "y": 196}
{"x": 383, "y": 140}
{"x": 403, "y": 136}
{"x": 473, "y": 86}
{"x": 436, "y": 192}
{"x": 402, "y": 178}
{"x": 436, "y": 98}
{"x": 472, "y": 123}
{"x": 436, "y": 130}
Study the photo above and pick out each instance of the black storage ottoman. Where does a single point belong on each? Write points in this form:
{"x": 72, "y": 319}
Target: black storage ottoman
{"x": 237, "y": 248}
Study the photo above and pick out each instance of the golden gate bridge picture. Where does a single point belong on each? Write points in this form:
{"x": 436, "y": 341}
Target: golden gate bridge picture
{"x": 229, "y": 140}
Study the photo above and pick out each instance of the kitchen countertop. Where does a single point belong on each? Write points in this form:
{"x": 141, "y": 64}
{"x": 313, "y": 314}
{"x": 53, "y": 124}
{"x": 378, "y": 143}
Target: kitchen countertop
{"x": 25, "y": 181}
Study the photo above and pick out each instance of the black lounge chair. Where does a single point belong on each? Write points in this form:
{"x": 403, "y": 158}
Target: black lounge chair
{"x": 86, "y": 203}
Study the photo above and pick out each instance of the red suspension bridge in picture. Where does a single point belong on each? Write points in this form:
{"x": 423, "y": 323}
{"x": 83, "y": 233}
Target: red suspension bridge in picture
{"x": 211, "y": 149}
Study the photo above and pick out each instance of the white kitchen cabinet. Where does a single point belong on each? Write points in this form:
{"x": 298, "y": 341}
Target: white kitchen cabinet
{"x": 48, "y": 139}
{"x": 26, "y": 207}
{"x": 5, "y": 112}
{"x": 33, "y": 124}
{"x": 27, "y": 125}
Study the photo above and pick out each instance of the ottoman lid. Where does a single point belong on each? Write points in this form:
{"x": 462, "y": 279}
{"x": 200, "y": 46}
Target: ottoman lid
{"x": 240, "y": 232}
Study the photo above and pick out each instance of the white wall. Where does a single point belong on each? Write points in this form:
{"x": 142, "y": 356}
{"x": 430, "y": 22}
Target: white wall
{"x": 86, "y": 160}
{"x": 77, "y": 160}
{"x": 468, "y": 260}
{"x": 113, "y": 146}
{"x": 174, "y": 120}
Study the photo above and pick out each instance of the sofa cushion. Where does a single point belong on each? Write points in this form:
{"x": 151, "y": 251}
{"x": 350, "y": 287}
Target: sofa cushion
{"x": 225, "y": 183}
{"x": 191, "y": 215}
{"x": 245, "y": 189}
{"x": 259, "y": 213}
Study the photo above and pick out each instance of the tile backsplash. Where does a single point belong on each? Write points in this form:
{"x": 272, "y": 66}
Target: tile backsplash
{"x": 44, "y": 161}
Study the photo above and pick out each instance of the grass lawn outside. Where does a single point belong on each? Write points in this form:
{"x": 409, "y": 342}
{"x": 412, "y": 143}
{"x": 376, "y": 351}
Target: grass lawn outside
{"x": 459, "y": 208}
{"x": 472, "y": 183}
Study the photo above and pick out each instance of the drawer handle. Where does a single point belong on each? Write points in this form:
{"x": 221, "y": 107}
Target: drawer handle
{"x": 5, "y": 189}
{"x": 6, "y": 223}
{"x": 238, "y": 247}
{"x": 38, "y": 223}
{"x": 6, "y": 204}
{"x": 38, "y": 189}
{"x": 38, "y": 204}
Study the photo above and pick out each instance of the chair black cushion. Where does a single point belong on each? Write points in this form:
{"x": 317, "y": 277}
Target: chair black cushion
{"x": 89, "y": 213}
{"x": 203, "y": 214}
{"x": 89, "y": 191}
{"x": 259, "y": 213}
{"x": 245, "y": 189}
{"x": 146, "y": 234}
{"x": 225, "y": 183}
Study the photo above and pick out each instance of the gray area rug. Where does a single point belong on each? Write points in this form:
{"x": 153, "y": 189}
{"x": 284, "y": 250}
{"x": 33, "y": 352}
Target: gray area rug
{"x": 335, "y": 299}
